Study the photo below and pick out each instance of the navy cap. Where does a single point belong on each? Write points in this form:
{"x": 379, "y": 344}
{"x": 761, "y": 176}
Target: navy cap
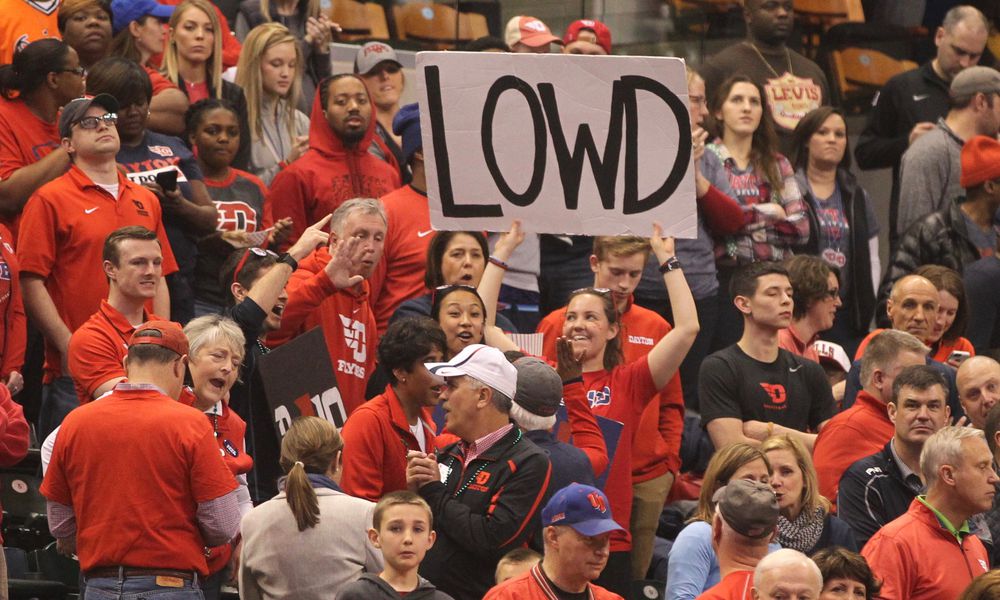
{"x": 584, "y": 508}
{"x": 406, "y": 124}
{"x": 124, "y": 12}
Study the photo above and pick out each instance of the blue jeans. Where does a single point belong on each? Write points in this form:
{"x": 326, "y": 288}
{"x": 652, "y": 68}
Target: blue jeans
{"x": 58, "y": 398}
{"x": 139, "y": 588}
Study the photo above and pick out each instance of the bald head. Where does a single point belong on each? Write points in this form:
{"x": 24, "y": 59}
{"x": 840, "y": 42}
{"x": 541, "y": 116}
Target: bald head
{"x": 978, "y": 382}
{"x": 913, "y": 305}
{"x": 787, "y": 574}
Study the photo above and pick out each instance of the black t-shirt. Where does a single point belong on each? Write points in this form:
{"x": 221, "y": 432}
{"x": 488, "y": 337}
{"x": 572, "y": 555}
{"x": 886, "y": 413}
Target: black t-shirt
{"x": 792, "y": 391}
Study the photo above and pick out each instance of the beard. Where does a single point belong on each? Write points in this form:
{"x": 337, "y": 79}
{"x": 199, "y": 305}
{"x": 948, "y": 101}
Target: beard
{"x": 351, "y": 137}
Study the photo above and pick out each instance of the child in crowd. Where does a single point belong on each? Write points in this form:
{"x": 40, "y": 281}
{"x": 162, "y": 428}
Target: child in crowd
{"x": 403, "y": 528}
{"x": 515, "y": 562}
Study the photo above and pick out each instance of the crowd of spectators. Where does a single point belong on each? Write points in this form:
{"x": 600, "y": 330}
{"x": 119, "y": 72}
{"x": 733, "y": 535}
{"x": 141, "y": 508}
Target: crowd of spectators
{"x": 761, "y": 411}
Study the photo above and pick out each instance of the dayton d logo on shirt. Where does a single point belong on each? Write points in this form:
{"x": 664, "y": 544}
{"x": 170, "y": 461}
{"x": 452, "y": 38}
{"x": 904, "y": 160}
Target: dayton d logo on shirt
{"x": 777, "y": 396}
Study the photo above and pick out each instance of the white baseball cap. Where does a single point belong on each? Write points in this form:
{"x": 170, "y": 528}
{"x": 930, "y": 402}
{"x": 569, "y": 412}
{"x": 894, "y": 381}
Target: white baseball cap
{"x": 485, "y": 364}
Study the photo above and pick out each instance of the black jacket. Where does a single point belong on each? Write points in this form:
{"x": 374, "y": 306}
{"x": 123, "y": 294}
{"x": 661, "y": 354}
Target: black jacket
{"x": 940, "y": 238}
{"x": 860, "y": 301}
{"x": 872, "y": 493}
{"x": 482, "y": 512}
{"x": 907, "y": 99}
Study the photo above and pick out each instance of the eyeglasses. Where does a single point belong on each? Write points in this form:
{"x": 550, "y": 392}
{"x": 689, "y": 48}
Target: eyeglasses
{"x": 831, "y": 294}
{"x": 258, "y": 252}
{"x": 75, "y": 70}
{"x": 109, "y": 119}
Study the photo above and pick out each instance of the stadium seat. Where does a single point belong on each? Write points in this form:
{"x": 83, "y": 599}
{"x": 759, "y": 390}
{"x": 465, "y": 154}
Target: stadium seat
{"x": 437, "y": 26}
{"x": 359, "y": 20}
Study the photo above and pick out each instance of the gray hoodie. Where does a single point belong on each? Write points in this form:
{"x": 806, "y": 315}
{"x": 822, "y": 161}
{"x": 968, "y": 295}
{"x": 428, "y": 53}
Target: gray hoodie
{"x": 373, "y": 587}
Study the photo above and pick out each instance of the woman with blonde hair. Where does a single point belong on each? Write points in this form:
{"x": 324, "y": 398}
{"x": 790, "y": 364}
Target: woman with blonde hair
{"x": 270, "y": 73}
{"x": 311, "y": 539}
{"x": 693, "y": 566}
{"x": 193, "y": 62}
{"x": 308, "y": 25}
{"x": 805, "y": 523}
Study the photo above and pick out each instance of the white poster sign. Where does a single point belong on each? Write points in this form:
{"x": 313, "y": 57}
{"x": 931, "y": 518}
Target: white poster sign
{"x": 569, "y": 144}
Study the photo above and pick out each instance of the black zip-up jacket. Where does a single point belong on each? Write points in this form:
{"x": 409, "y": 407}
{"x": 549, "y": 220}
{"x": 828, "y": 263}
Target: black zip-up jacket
{"x": 860, "y": 301}
{"x": 872, "y": 493}
{"x": 915, "y": 96}
{"x": 940, "y": 238}
{"x": 482, "y": 511}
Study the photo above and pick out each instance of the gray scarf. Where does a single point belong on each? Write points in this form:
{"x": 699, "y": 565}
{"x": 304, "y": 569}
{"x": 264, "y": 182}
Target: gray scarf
{"x": 804, "y": 532}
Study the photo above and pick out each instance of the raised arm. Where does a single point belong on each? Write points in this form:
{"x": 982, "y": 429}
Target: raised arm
{"x": 489, "y": 285}
{"x": 667, "y": 354}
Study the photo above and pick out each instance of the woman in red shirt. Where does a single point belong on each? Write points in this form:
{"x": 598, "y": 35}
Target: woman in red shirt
{"x": 616, "y": 391}
{"x": 216, "y": 346}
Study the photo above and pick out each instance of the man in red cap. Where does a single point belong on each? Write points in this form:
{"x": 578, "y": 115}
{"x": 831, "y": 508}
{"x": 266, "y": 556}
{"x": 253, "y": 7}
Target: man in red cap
{"x": 141, "y": 533}
{"x": 525, "y": 34}
{"x": 587, "y": 36}
{"x": 960, "y": 233}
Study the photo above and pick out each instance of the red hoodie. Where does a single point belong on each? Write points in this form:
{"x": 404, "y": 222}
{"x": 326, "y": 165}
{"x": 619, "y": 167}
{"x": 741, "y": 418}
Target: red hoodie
{"x": 330, "y": 173}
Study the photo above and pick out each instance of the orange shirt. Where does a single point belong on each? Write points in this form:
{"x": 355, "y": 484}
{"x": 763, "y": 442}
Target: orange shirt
{"x": 148, "y": 519}
{"x": 66, "y": 222}
{"x": 860, "y": 431}
{"x": 735, "y": 586}
{"x": 98, "y": 348}
{"x": 14, "y": 334}
{"x": 658, "y": 437}
{"x": 791, "y": 342}
{"x": 24, "y": 139}
{"x": 24, "y": 22}
{"x": 399, "y": 276}
{"x": 946, "y": 347}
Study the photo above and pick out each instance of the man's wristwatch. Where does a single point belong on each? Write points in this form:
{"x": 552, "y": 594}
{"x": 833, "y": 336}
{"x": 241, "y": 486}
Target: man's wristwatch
{"x": 288, "y": 260}
{"x": 671, "y": 264}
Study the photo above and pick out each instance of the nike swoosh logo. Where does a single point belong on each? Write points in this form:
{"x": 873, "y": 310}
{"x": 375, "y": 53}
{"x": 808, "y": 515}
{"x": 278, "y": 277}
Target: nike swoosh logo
{"x": 425, "y": 233}
{"x": 90, "y": 210}
{"x": 794, "y": 369}
{"x": 919, "y": 97}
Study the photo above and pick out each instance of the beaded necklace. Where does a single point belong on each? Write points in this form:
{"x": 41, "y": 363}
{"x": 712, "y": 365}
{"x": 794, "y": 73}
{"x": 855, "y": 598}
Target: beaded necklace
{"x": 451, "y": 468}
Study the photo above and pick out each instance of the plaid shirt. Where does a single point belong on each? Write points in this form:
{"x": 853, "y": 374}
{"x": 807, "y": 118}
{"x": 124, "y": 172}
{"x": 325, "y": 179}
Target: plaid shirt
{"x": 763, "y": 237}
{"x": 472, "y": 451}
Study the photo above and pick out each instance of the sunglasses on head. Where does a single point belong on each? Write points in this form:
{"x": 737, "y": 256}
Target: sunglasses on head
{"x": 258, "y": 252}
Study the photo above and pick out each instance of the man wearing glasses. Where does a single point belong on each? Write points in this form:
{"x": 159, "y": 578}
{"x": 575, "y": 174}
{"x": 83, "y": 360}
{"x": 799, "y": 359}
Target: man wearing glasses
{"x": 816, "y": 289}
{"x": 67, "y": 221}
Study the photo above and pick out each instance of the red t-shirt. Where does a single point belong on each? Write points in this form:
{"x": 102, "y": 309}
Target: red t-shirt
{"x": 622, "y": 395}
{"x": 24, "y": 140}
{"x": 791, "y": 342}
{"x": 97, "y": 350}
{"x": 657, "y": 445}
{"x": 14, "y": 334}
{"x": 735, "y": 586}
{"x": 66, "y": 222}
{"x": 399, "y": 276}
{"x": 134, "y": 467}
{"x": 947, "y": 347}
{"x": 159, "y": 81}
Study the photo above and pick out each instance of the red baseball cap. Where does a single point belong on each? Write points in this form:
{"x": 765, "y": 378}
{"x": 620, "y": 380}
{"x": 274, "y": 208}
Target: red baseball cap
{"x": 161, "y": 333}
{"x": 529, "y": 31}
{"x": 600, "y": 30}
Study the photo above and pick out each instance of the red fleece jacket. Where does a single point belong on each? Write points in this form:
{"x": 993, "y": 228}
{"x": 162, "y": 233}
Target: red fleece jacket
{"x": 330, "y": 173}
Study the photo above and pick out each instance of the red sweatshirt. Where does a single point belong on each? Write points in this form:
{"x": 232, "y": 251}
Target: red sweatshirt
{"x": 13, "y": 335}
{"x": 657, "y": 445}
{"x": 399, "y": 276}
{"x": 347, "y": 321}
{"x": 330, "y": 173}
{"x": 14, "y": 432}
{"x": 376, "y": 440}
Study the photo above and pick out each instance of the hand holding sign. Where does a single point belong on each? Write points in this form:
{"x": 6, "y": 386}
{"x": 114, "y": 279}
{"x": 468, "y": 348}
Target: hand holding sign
{"x": 568, "y": 144}
{"x": 663, "y": 247}
{"x": 508, "y": 242}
